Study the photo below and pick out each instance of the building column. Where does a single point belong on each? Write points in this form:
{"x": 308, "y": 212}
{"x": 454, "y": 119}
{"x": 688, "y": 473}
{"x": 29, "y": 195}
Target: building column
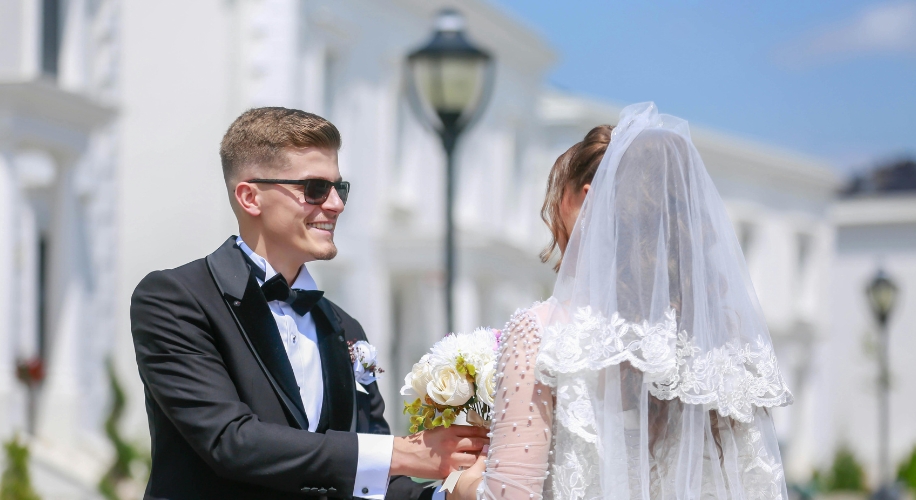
{"x": 8, "y": 327}
{"x": 59, "y": 413}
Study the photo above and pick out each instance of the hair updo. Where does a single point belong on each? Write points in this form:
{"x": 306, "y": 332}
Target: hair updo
{"x": 573, "y": 169}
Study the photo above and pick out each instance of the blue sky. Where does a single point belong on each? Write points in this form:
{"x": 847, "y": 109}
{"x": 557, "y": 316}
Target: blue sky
{"x": 831, "y": 79}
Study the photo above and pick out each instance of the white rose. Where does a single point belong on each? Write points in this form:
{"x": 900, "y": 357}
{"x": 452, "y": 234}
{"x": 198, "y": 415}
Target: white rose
{"x": 363, "y": 376}
{"x": 416, "y": 381}
{"x": 448, "y": 387}
{"x": 486, "y": 385}
{"x": 365, "y": 352}
{"x": 360, "y": 373}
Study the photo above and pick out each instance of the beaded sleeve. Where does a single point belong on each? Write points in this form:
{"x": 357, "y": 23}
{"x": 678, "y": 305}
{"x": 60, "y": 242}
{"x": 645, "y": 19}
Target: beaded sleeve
{"x": 520, "y": 432}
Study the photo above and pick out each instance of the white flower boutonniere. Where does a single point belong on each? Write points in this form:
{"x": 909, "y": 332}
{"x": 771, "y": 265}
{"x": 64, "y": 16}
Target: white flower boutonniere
{"x": 365, "y": 365}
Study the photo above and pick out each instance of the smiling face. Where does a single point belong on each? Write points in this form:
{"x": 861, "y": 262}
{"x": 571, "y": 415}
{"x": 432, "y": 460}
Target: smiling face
{"x": 306, "y": 230}
{"x": 277, "y": 223}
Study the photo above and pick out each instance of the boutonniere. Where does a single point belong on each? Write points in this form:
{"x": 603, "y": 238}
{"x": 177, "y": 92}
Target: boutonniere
{"x": 365, "y": 365}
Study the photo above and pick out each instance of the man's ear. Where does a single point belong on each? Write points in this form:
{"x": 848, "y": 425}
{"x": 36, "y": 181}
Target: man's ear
{"x": 247, "y": 199}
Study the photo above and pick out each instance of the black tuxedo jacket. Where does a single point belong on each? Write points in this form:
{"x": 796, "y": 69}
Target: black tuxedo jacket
{"x": 225, "y": 415}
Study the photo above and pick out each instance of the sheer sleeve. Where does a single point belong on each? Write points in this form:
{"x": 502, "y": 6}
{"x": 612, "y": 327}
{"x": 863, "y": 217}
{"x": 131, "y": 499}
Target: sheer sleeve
{"x": 522, "y": 421}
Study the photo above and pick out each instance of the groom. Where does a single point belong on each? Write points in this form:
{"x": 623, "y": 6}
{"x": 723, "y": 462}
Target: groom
{"x": 250, "y": 389}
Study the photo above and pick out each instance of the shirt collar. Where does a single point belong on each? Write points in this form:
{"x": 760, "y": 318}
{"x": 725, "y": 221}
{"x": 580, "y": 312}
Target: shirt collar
{"x": 303, "y": 282}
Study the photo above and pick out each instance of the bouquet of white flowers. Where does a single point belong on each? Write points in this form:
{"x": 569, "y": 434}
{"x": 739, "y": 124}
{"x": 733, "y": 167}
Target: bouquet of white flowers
{"x": 457, "y": 375}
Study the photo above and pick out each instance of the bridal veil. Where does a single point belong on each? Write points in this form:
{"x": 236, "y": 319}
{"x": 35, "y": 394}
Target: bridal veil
{"x": 655, "y": 343}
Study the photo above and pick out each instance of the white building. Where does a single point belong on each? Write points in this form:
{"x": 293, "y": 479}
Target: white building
{"x": 874, "y": 231}
{"x": 58, "y": 133}
{"x": 111, "y": 166}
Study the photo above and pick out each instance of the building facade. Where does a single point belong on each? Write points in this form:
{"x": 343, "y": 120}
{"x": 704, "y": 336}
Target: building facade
{"x": 58, "y": 143}
{"x": 111, "y": 115}
{"x": 875, "y": 230}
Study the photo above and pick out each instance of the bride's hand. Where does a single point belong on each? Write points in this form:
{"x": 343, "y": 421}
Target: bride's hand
{"x": 466, "y": 487}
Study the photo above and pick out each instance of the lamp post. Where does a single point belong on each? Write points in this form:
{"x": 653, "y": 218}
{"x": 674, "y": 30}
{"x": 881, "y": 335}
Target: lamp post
{"x": 882, "y": 294}
{"x": 449, "y": 81}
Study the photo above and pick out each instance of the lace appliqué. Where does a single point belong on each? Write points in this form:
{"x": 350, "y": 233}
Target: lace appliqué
{"x": 575, "y": 470}
{"x": 574, "y": 463}
{"x": 593, "y": 342}
{"x": 576, "y": 458}
{"x": 575, "y": 412}
{"x": 731, "y": 378}
{"x": 762, "y": 474}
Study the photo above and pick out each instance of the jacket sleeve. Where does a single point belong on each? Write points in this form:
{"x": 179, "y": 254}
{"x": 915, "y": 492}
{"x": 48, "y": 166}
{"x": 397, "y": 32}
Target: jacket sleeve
{"x": 405, "y": 488}
{"x": 186, "y": 377}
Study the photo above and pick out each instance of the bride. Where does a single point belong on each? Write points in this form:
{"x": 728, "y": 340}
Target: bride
{"x": 649, "y": 373}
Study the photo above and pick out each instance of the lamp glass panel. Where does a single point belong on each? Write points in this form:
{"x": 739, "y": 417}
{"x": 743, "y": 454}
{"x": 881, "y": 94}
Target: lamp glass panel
{"x": 882, "y": 295}
{"x": 450, "y": 85}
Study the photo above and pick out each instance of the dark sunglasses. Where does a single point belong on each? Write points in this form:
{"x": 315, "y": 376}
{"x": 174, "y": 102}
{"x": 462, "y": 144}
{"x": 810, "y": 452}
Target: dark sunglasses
{"x": 316, "y": 191}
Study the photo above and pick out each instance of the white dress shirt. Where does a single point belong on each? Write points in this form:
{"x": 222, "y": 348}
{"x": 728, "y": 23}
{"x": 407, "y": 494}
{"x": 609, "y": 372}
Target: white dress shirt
{"x": 300, "y": 339}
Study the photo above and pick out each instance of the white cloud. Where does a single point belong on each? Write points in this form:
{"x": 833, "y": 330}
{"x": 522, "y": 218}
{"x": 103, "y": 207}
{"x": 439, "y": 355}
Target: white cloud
{"x": 888, "y": 28}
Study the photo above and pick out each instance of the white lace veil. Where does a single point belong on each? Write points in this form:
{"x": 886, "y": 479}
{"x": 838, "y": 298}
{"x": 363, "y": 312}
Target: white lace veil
{"x": 656, "y": 344}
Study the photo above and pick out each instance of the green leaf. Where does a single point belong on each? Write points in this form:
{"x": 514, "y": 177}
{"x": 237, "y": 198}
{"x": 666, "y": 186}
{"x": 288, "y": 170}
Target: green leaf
{"x": 127, "y": 455}
{"x": 413, "y": 408}
{"x": 16, "y": 482}
{"x": 461, "y": 365}
{"x": 906, "y": 473}
{"x": 448, "y": 417}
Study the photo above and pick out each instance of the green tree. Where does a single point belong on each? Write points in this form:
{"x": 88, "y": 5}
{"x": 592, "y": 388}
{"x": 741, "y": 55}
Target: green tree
{"x": 845, "y": 474}
{"x": 16, "y": 483}
{"x": 906, "y": 474}
{"x": 126, "y": 454}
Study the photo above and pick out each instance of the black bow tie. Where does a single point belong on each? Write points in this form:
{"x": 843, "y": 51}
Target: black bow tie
{"x": 301, "y": 301}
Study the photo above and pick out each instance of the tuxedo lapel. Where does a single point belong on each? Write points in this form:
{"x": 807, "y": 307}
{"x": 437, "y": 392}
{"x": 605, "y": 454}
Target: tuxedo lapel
{"x": 240, "y": 290}
{"x": 339, "y": 406}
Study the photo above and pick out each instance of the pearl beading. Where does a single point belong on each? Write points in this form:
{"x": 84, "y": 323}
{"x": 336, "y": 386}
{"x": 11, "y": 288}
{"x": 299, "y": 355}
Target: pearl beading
{"x": 515, "y": 470}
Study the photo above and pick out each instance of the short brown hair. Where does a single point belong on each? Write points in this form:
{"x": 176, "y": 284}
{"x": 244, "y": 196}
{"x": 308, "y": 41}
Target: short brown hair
{"x": 259, "y": 135}
{"x": 573, "y": 169}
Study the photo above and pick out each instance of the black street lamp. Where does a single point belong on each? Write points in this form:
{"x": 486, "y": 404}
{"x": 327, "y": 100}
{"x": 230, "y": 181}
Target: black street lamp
{"x": 882, "y": 295}
{"x": 449, "y": 82}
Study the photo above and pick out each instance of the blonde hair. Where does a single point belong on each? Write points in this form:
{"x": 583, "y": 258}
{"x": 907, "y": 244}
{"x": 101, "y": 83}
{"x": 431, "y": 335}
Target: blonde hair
{"x": 259, "y": 136}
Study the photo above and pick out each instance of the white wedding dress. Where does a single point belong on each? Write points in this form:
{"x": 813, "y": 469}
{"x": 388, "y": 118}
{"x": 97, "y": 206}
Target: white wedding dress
{"x": 649, "y": 373}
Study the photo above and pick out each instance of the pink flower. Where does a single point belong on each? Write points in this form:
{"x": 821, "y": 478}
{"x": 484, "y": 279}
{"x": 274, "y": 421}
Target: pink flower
{"x": 499, "y": 335}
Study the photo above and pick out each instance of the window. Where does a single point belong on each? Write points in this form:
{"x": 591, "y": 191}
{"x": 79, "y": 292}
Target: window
{"x": 803, "y": 252}
{"x": 42, "y": 288}
{"x": 50, "y": 36}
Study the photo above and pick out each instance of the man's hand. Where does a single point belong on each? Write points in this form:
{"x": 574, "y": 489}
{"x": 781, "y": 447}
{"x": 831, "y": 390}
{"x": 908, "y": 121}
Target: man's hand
{"x": 435, "y": 453}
